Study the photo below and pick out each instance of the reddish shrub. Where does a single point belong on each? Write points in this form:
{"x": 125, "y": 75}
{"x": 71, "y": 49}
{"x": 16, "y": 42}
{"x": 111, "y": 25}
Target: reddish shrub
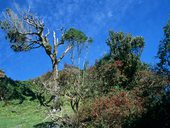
{"x": 115, "y": 108}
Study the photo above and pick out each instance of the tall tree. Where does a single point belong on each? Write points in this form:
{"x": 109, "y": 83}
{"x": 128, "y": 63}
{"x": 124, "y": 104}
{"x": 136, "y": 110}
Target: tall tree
{"x": 127, "y": 49}
{"x": 123, "y": 46}
{"x": 26, "y": 31}
{"x": 164, "y": 52}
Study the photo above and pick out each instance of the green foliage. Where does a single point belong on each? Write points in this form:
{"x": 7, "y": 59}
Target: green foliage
{"x": 164, "y": 52}
{"x": 17, "y": 90}
{"x": 10, "y": 90}
{"x": 13, "y": 26}
{"x": 110, "y": 74}
{"x": 77, "y": 39}
{"x": 120, "y": 65}
{"x": 123, "y": 47}
{"x": 74, "y": 35}
{"x": 126, "y": 49}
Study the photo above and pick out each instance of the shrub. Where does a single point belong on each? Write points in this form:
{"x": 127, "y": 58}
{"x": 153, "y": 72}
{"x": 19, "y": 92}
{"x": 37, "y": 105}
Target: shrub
{"x": 112, "y": 109}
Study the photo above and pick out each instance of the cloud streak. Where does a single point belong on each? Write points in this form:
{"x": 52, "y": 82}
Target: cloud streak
{"x": 92, "y": 17}
{"x": 88, "y": 14}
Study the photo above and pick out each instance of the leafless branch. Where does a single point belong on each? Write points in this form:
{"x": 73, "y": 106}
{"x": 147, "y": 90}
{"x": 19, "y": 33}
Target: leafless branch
{"x": 48, "y": 33}
{"x": 55, "y": 41}
{"x": 64, "y": 53}
{"x": 35, "y": 22}
{"x": 62, "y": 40}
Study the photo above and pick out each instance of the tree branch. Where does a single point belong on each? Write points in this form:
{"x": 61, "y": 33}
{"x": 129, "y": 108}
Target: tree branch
{"x": 29, "y": 33}
{"x": 36, "y": 23}
{"x": 48, "y": 33}
{"x": 30, "y": 22}
{"x": 62, "y": 40}
{"x": 55, "y": 41}
{"x": 31, "y": 45}
{"x": 64, "y": 53}
{"x": 34, "y": 47}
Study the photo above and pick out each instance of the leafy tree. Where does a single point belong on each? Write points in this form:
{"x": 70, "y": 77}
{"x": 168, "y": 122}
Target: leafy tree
{"x": 26, "y": 31}
{"x": 121, "y": 64}
{"x": 127, "y": 49}
{"x": 164, "y": 52}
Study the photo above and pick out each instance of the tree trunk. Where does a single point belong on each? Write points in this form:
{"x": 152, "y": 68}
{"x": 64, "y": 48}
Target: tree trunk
{"x": 55, "y": 76}
{"x": 55, "y": 85}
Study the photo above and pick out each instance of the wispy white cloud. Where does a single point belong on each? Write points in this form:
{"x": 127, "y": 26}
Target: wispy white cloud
{"x": 77, "y": 12}
{"x": 91, "y": 16}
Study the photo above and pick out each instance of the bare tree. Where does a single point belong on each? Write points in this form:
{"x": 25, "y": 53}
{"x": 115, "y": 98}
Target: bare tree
{"x": 26, "y": 31}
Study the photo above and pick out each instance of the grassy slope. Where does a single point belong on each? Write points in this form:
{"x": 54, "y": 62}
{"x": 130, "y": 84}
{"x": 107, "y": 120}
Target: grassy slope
{"x": 21, "y": 115}
{"x": 26, "y": 115}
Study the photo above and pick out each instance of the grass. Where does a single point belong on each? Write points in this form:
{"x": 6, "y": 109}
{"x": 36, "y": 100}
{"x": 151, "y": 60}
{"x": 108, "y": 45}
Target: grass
{"x": 26, "y": 115}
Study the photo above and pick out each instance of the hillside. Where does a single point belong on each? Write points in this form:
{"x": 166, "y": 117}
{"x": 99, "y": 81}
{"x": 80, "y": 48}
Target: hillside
{"x": 99, "y": 77}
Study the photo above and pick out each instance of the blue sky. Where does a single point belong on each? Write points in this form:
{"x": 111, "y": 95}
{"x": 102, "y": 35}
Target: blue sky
{"x": 145, "y": 18}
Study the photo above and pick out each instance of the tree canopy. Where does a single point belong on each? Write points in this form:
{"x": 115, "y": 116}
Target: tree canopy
{"x": 164, "y": 52}
{"x": 125, "y": 50}
{"x": 124, "y": 46}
